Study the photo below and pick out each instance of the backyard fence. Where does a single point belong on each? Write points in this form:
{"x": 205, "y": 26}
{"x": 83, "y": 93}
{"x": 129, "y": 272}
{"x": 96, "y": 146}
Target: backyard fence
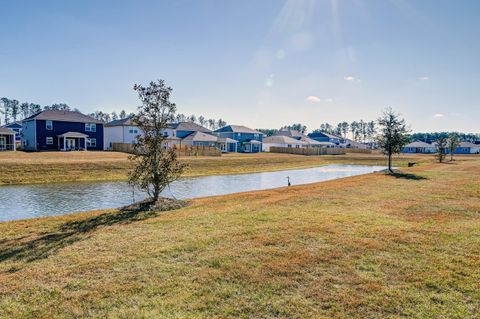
{"x": 181, "y": 150}
{"x": 308, "y": 151}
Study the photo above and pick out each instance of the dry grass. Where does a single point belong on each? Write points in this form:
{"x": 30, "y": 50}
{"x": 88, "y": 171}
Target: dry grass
{"x": 372, "y": 246}
{"x": 44, "y": 167}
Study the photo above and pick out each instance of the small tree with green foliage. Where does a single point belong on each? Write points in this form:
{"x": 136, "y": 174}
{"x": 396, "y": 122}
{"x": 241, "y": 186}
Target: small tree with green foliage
{"x": 453, "y": 142}
{"x": 156, "y": 166}
{"x": 393, "y": 134}
{"x": 442, "y": 144}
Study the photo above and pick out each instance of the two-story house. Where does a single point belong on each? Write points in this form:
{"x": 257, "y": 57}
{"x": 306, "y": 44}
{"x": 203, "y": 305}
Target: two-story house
{"x": 248, "y": 140}
{"x": 61, "y": 130}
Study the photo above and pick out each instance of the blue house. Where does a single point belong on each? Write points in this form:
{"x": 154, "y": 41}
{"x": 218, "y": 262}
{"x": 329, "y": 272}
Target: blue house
{"x": 325, "y": 137}
{"x": 248, "y": 140}
{"x": 184, "y": 129}
{"x": 17, "y": 128}
{"x": 53, "y": 130}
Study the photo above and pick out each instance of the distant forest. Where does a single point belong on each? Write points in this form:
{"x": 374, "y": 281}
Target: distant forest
{"x": 12, "y": 110}
{"x": 430, "y": 137}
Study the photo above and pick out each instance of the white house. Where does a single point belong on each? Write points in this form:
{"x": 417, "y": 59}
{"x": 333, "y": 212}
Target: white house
{"x": 282, "y": 141}
{"x": 120, "y": 131}
{"x": 419, "y": 147}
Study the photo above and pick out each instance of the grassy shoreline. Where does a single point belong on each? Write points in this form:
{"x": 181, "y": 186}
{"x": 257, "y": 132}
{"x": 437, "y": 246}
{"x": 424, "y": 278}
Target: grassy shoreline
{"x": 35, "y": 168}
{"x": 374, "y": 246}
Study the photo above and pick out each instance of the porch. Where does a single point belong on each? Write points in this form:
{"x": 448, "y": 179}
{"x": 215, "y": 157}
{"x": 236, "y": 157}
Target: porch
{"x": 252, "y": 146}
{"x": 227, "y": 145}
{"x": 72, "y": 141}
{"x": 7, "y": 140}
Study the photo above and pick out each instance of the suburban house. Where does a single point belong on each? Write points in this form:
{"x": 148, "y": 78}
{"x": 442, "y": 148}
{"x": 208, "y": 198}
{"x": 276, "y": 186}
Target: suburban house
{"x": 248, "y": 140}
{"x": 326, "y": 137}
{"x": 120, "y": 131}
{"x": 419, "y": 147}
{"x": 7, "y": 139}
{"x": 309, "y": 142}
{"x": 17, "y": 128}
{"x": 183, "y": 133}
{"x": 281, "y": 141}
{"x": 468, "y": 148}
{"x": 61, "y": 130}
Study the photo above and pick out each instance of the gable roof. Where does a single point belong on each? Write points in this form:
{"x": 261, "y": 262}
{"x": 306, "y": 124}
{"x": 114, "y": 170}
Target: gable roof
{"x": 200, "y": 137}
{"x": 188, "y": 126}
{"x": 282, "y": 139}
{"x": 310, "y": 141}
{"x": 468, "y": 144}
{"x": 419, "y": 144}
{"x": 4, "y": 130}
{"x": 291, "y": 133}
{"x": 17, "y": 124}
{"x": 64, "y": 116}
{"x": 121, "y": 122}
{"x": 238, "y": 129}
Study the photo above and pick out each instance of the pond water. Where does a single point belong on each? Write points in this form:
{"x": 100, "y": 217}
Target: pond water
{"x": 28, "y": 201}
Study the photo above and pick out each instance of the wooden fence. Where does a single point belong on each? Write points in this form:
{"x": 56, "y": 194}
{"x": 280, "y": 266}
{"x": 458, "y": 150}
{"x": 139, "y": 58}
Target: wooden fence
{"x": 181, "y": 150}
{"x": 308, "y": 151}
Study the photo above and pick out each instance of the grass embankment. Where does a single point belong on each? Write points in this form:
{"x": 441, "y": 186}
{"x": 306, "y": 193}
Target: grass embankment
{"x": 23, "y": 168}
{"x": 372, "y": 246}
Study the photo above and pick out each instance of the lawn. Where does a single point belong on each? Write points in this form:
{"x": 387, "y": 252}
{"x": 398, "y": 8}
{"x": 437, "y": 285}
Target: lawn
{"x": 372, "y": 246}
{"x": 21, "y": 167}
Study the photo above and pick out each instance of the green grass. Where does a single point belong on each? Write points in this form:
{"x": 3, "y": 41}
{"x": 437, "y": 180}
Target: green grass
{"x": 372, "y": 246}
{"x": 47, "y": 167}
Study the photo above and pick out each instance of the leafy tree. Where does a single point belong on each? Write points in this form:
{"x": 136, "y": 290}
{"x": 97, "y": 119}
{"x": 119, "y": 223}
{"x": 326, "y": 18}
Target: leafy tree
{"x": 296, "y": 127}
{"x": 156, "y": 166}
{"x": 25, "y": 109}
{"x": 212, "y": 124}
{"x": 441, "y": 148}
{"x": 221, "y": 123}
{"x": 192, "y": 119}
{"x": 114, "y": 116}
{"x": 123, "y": 114}
{"x": 201, "y": 120}
{"x": 34, "y": 108}
{"x": 345, "y": 128}
{"x": 393, "y": 134}
{"x": 453, "y": 142}
{"x": 268, "y": 131}
{"x": 371, "y": 130}
{"x": 6, "y": 108}
{"x": 14, "y": 109}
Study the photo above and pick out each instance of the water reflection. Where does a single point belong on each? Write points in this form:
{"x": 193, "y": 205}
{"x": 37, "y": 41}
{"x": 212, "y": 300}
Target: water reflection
{"x": 27, "y": 201}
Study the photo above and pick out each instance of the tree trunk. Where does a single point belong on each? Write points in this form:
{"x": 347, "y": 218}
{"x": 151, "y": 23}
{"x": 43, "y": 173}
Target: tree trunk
{"x": 390, "y": 162}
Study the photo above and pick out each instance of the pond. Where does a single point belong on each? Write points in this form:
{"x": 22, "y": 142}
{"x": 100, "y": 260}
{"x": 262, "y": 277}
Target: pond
{"x": 29, "y": 201}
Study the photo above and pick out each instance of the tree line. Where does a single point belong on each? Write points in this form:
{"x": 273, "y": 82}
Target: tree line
{"x": 12, "y": 110}
{"x": 430, "y": 137}
{"x": 360, "y": 131}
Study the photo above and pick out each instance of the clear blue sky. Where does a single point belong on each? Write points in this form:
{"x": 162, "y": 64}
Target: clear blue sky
{"x": 258, "y": 63}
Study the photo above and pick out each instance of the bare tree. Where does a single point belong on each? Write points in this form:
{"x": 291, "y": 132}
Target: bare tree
{"x": 156, "y": 166}
{"x": 393, "y": 134}
{"x": 453, "y": 142}
{"x": 441, "y": 149}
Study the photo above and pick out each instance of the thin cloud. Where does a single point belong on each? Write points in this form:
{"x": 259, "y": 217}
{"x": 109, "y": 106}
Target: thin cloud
{"x": 313, "y": 99}
{"x": 424, "y": 78}
{"x": 349, "y": 78}
{"x": 438, "y": 115}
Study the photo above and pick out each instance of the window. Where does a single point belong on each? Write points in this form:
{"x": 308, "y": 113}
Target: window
{"x": 255, "y": 135}
{"x": 49, "y": 125}
{"x": 49, "y": 140}
{"x": 90, "y": 127}
{"x": 134, "y": 130}
{"x": 91, "y": 142}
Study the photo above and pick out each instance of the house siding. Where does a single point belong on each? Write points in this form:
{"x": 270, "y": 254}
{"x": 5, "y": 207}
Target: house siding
{"x": 242, "y": 138}
{"x": 28, "y": 135}
{"x": 60, "y": 127}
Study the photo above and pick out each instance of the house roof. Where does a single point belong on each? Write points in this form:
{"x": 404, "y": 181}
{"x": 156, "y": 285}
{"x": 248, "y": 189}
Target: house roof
{"x": 282, "y": 139}
{"x": 323, "y": 134}
{"x": 6, "y": 131}
{"x": 468, "y": 144}
{"x": 419, "y": 144}
{"x": 291, "y": 133}
{"x": 121, "y": 122}
{"x": 188, "y": 126}
{"x": 310, "y": 141}
{"x": 73, "y": 134}
{"x": 13, "y": 124}
{"x": 64, "y": 116}
{"x": 238, "y": 129}
{"x": 200, "y": 137}
{"x": 253, "y": 142}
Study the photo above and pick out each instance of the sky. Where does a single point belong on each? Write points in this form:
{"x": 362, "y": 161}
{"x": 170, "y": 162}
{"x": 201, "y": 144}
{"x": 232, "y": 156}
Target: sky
{"x": 263, "y": 64}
